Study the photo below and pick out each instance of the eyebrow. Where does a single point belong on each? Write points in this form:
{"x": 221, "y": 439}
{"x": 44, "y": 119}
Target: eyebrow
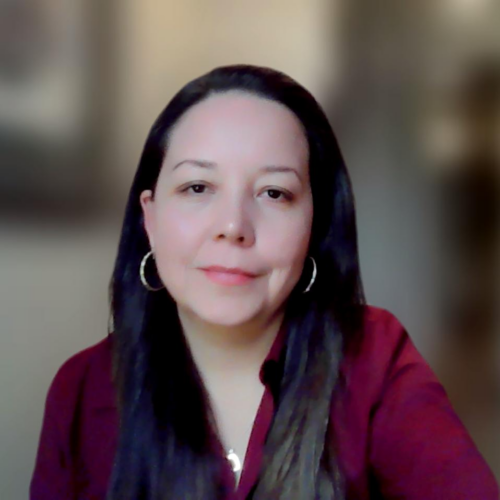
{"x": 269, "y": 169}
{"x": 198, "y": 163}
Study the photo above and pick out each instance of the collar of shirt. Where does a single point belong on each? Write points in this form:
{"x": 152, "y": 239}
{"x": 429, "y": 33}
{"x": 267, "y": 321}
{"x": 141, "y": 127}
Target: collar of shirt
{"x": 270, "y": 375}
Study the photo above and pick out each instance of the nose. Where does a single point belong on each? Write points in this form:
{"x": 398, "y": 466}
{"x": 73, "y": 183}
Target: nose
{"x": 235, "y": 224}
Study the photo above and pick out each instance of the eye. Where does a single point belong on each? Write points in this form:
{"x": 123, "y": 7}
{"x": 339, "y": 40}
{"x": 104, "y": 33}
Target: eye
{"x": 274, "y": 194}
{"x": 278, "y": 194}
{"x": 195, "y": 188}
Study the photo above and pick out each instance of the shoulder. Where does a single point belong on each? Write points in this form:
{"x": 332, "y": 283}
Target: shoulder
{"x": 89, "y": 367}
{"x": 381, "y": 338}
{"x": 396, "y": 420}
{"x": 79, "y": 364}
{"x": 380, "y": 356}
{"x": 381, "y": 326}
{"x": 82, "y": 384}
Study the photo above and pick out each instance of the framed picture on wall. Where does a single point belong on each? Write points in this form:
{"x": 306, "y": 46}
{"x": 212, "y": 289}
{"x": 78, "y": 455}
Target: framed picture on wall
{"x": 49, "y": 131}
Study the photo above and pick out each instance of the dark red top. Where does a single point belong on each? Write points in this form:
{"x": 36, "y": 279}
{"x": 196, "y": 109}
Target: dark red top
{"x": 397, "y": 434}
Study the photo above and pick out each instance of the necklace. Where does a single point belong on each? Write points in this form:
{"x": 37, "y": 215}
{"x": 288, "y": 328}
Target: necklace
{"x": 234, "y": 460}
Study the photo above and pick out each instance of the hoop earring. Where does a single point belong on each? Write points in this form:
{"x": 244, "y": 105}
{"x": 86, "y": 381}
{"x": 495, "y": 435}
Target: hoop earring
{"x": 142, "y": 274}
{"x": 313, "y": 277}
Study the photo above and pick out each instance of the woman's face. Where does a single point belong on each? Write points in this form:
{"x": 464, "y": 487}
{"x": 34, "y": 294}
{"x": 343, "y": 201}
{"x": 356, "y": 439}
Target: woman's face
{"x": 231, "y": 218}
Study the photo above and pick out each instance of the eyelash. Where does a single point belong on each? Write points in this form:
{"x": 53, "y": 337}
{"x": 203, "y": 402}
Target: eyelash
{"x": 192, "y": 186}
{"x": 187, "y": 189}
{"x": 284, "y": 194}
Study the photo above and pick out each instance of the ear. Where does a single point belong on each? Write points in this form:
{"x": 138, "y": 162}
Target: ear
{"x": 147, "y": 204}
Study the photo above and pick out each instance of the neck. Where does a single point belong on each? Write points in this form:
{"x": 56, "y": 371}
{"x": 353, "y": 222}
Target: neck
{"x": 239, "y": 350}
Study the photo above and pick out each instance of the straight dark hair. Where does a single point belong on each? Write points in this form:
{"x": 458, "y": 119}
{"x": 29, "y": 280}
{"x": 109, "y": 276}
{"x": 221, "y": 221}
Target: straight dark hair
{"x": 167, "y": 430}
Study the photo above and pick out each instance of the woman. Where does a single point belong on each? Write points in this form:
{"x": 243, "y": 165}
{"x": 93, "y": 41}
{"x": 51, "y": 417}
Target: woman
{"x": 247, "y": 364}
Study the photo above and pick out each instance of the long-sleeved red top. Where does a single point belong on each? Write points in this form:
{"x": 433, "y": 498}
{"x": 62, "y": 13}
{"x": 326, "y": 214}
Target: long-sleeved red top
{"x": 396, "y": 433}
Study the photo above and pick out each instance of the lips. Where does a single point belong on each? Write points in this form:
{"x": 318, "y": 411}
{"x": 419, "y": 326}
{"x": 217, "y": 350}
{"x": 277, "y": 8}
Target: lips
{"x": 228, "y": 275}
{"x": 229, "y": 270}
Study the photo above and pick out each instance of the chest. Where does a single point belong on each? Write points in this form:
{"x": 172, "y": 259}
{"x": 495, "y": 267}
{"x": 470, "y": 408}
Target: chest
{"x": 235, "y": 405}
{"x": 244, "y": 415}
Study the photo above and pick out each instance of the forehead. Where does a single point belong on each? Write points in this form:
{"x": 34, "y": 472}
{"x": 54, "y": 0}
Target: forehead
{"x": 238, "y": 126}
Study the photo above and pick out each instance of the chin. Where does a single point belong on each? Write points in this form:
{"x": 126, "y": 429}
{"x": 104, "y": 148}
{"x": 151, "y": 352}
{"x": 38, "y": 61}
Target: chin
{"x": 227, "y": 318}
{"x": 229, "y": 315}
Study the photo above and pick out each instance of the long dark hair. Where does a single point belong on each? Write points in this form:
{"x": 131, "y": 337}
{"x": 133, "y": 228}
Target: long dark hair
{"x": 167, "y": 430}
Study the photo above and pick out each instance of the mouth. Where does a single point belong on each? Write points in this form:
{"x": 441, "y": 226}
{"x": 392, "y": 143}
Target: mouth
{"x": 228, "y": 275}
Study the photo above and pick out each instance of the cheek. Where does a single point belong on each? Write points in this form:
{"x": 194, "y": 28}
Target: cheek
{"x": 288, "y": 249}
{"x": 177, "y": 241}
{"x": 288, "y": 245}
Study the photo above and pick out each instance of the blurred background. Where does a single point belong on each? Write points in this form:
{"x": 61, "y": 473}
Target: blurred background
{"x": 412, "y": 89}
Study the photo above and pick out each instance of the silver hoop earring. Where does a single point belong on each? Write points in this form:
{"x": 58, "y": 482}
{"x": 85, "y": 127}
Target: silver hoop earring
{"x": 142, "y": 273}
{"x": 313, "y": 277}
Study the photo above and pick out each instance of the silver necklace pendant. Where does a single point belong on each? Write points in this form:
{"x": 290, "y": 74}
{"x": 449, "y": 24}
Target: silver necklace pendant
{"x": 234, "y": 460}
